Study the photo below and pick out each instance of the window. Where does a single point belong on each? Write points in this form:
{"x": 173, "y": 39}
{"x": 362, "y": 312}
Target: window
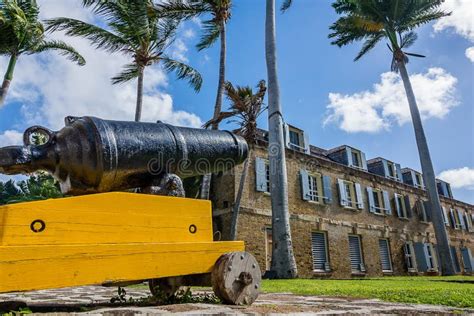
{"x": 319, "y": 250}
{"x": 402, "y": 205}
{"x": 296, "y": 139}
{"x": 419, "y": 181}
{"x": 385, "y": 257}
{"x": 315, "y": 187}
{"x": 350, "y": 194}
{"x": 422, "y": 212}
{"x": 355, "y": 254}
{"x": 262, "y": 175}
{"x": 455, "y": 219}
{"x": 391, "y": 169}
{"x": 409, "y": 256}
{"x": 379, "y": 202}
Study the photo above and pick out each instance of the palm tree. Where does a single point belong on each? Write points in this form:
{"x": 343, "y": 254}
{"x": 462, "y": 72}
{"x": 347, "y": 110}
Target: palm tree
{"x": 22, "y": 33}
{"x": 214, "y": 29}
{"x": 246, "y": 106}
{"x": 136, "y": 30}
{"x": 372, "y": 21}
{"x": 283, "y": 260}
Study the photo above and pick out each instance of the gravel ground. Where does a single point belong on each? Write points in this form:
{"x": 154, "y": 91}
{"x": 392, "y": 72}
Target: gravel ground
{"x": 93, "y": 300}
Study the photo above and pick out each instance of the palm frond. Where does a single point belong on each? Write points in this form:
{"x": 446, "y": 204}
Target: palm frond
{"x": 369, "y": 45}
{"x": 100, "y": 38}
{"x": 211, "y": 32}
{"x": 130, "y": 72}
{"x": 181, "y": 9}
{"x": 183, "y": 71}
{"x": 222, "y": 116}
{"x": 62, "y": 48}
{"x": 286, "y": 5}
{"x": 408, "y": 39}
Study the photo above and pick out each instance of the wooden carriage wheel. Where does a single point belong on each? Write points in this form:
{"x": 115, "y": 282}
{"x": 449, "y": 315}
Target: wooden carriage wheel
{"x": 236, "y": 278}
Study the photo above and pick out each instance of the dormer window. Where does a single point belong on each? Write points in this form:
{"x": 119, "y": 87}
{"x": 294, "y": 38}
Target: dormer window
{"x": 385, "y": 168}
{"x": 413, "y": 178}
{"x": 296, "y": 139}
{"x": 348, "y": 156}
{"x": 419, "y": 180}
{"x": 444, "y": 189}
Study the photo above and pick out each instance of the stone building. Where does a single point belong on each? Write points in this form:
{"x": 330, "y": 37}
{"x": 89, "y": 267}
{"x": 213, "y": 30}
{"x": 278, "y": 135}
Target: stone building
{"x": 349, "y": 216}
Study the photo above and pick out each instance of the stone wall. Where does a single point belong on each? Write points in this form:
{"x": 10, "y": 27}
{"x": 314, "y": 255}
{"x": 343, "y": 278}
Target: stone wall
{"x": 336, "y": 221}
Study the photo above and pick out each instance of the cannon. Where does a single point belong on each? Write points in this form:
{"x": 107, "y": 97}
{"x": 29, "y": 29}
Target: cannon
{"x": 101, "y": 235}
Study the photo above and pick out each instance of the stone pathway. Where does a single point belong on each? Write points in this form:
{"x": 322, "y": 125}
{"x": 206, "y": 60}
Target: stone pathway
{"x": 93, "y": 300}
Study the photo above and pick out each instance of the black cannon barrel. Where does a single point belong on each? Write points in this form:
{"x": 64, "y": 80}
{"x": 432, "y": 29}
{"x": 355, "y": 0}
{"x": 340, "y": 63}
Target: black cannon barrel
{"x": 93, "y": 155}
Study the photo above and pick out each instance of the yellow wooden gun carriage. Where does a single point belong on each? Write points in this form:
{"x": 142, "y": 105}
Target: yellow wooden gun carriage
{"x": 117, "y": 238}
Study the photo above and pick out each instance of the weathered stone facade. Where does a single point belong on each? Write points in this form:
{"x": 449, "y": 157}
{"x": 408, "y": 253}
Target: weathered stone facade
{"x": 335, "y": 220}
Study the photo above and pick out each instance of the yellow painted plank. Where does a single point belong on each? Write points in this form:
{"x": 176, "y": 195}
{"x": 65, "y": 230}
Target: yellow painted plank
{"x": 24, "y": 268}
{"x": 107, "y": 218}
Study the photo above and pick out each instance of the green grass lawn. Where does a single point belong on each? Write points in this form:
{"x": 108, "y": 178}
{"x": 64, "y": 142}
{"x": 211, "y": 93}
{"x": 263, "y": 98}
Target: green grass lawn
{"x": 425, "y": 290}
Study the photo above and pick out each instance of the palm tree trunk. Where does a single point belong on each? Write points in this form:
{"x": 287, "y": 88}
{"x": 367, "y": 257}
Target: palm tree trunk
{"x": 236, "y": 209}
{"x": 138, "y": 111}
{"x": 220, "y": 86}
{"x": 8, "y": 78}
{"x": 447, "y": 263}
{"x": 283, "y": 260}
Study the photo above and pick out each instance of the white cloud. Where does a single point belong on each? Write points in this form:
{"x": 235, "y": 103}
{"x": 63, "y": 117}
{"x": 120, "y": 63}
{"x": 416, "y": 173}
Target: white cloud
{"x": 10, "y": 138}
{"x": 461, "y": 21}
{"x": 386, "y": 104}
{"x": 459, "y": 178}
{"x": 470, "y": 53}
{"x": 50, "y": 87}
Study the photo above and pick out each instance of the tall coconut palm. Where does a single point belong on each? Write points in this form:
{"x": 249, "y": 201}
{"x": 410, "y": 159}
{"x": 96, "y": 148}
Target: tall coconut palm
{"x": 21, "y": 33}
{"x": 214, "y": 29}
{"x": 245, "y": 108}
{"x": 283, "y": 260}
{"x": 372, "y": 21}
{"x": 134, "y": 29}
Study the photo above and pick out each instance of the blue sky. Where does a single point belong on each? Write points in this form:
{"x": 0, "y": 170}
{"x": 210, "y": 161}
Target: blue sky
{"x": 335, "y": 100}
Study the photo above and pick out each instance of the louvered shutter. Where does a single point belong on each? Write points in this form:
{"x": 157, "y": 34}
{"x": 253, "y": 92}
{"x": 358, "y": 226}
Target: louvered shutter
{"x": 261, "y": 175}
{"x": 287, "y": 135}
{"x": 370, "y": 198}
{"x": 363, "y": 161}
{"x": 385, "y": 255}
{"x": 319, "y": 252}
{"x": 342, "y": 192}
{"x": 420, "y": 256}
{"x": 360, "y": 201}
{"x": 306, "y": 143}
{"x": 304, "y": 185}
{"x": 467, "y": 259}
{"x": 386, "y": 203}
{"x": 445, "y": 216}
{"x": 349, "y": 156}
{"x": 467, "y": 222}
{"x": 408, "y": 206}
{"x": 398, "y": 206}
{"x": 428, "y": 210}
{"x": 413, "y": 178}
{"x": 398, "y": 170}
{"x": 421, "y": 211}
{"x": 355, "y": 254}
{"x": 457, "y": 267}
{"x": 461, "y": 220}
{"x": 327, "y": 189}
{"x": 385, "y": 168}
{"x": 451, "y": 216}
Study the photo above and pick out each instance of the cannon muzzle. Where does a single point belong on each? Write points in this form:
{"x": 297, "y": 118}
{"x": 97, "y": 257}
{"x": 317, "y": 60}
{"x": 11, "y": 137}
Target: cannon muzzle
{"x": 92, "y": 155}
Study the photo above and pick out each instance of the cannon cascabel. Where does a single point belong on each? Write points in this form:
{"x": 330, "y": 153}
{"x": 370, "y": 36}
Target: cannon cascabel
{"x": 93, "y": 155}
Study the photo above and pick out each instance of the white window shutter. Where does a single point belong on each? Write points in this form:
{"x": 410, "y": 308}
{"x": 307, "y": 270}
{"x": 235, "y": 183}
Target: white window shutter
{"x": 349, "y": 156}
{"x": 327, "y": 189}
{"x": 398, "y": 206}
{"x": 385, "y": 168}
{"x": 398, "y": 170}
{"x": 446, "y": 218}
{"x": 261, "y": 175}
{"x": 461, "y": 220}
{"x": 287, "y": 135}
{"x": 360, "y": 201}
{"x": 363, "y": 161}
{"x": 342, "y": 192}
{"x": 386, "y": 202}
{"x": 306, "y": 143}
{"x": 304, "y": 185}
{"x": 370, "y": 198}
{"x": 413, "y": 178}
